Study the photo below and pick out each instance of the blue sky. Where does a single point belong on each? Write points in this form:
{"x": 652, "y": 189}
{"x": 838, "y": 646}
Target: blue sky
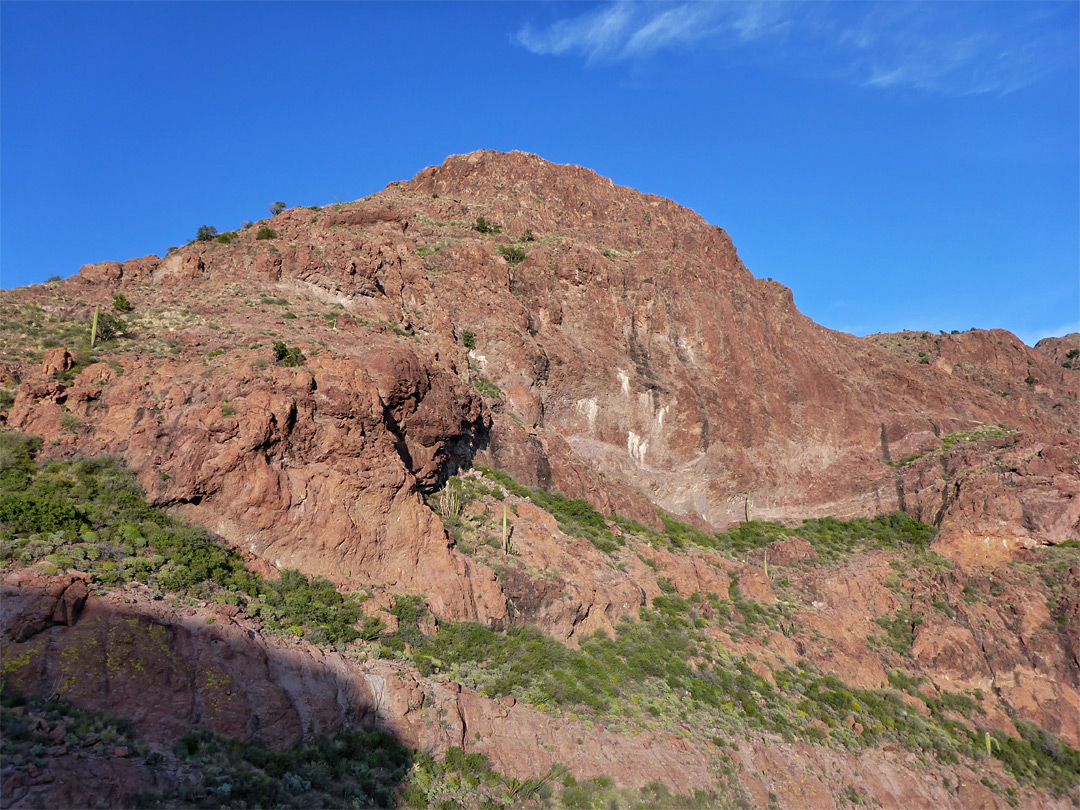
{"x": 898, "y": 165}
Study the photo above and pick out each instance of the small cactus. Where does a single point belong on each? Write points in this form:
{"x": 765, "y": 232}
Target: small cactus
{"x": 506, "y": 534}
{"x": 450, "y": 502}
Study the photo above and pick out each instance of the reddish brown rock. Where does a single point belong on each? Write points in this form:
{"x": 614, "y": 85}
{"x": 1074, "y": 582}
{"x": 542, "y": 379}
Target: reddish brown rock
{"x": 613, "y": 346}
{"x": 1062, "y": 351}
{"x": 789, "y": 551}
{"x": 56, "y": 360}
{"x": 56, "y": 601}
{"x": 102, "y": 272}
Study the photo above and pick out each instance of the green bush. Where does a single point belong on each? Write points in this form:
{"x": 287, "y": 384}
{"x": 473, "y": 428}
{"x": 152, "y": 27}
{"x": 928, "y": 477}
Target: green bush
{"x": 206, "y": 233}
{"x": 483, "y": 226}
{"x": 831, "y": 538}
{"x": 120, "y": 303}
{"x": 512, "y": 254}
{"x": 288, "y": 356}
{"x": 276, "y": 208}
{"x": 266, "y": 232}
{"x": 576, "y": 516}
{"x": 111, "y": 326}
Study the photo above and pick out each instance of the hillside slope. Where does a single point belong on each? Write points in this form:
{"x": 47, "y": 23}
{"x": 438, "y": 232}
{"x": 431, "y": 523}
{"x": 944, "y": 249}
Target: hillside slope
{"x": 327, "y": 390}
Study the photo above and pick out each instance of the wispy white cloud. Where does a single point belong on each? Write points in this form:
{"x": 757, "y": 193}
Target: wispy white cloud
{"x": 955, "y": 49}
{"x": 681, "y": 24}
{"x": 945, "y": 48}
{"x": 627, "y": 30}
{"x": 597, "y": 34}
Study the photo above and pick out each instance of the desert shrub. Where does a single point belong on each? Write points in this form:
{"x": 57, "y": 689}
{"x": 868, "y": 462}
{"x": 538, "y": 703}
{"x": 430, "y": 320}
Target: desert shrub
{"x": 512, "y": 253}
{"x": 900, "y": 629}
{"x": 468, "y": 339}
{"x": 120, "y": 303}
{"x": 266, "y": 232}
{"x": 288, "y": 356}
{"x": 679, "y": 534}
{"x": 226, "y": 238}
{"x": 350, "y": 769}
{"x": 276, "y": 208}
{"x": 486, "y": 387}
{"x": 206, "y": 233}
{"x": 294, "y": 600}
{"x": 111, "y": 326}
{"x": 831, "y": 538}
{"x": 483, "y": 226}
{"x": 17, "y": 451}
{"x": 1038, "y": 757}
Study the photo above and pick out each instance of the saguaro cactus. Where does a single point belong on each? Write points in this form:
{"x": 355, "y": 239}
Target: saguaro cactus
{"x": 93, "y": 328}
{"x": 506, "y": 534}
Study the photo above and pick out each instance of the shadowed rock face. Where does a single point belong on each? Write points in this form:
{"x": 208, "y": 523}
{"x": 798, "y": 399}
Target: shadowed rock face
{"x": 174, "y": 670}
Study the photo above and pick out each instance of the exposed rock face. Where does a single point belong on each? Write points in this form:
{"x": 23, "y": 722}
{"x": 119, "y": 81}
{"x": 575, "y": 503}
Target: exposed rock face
{"x": 314, "y": 468}
{"x": 1062, "y": 351}
{"x": 171, "y": 672}
{"x": 61, "y": 602}
{"x": 630, "y": 336}
{"x": 997, "y": 496}
{"x": 635, "y": 354}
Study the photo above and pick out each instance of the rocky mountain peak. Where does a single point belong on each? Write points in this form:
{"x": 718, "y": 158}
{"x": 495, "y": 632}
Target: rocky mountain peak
{"x": 510, "y": 393}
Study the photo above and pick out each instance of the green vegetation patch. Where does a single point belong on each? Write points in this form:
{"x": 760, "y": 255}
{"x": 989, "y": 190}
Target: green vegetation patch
{"x": 352, "y": 769}
{"x": 662, "y": 668}
{"x": 976, "y": 435}
{"x": 483, "y": 226}
{"x": 486, "y": 387}
{"x": 576, "y": 516}
{"x": 366, "y": 768}
{"x": 953, "y": 440}
{"x": 831, "y": 538}
{"x": 1052, "y": 564}
{"x": 288, "y": 355}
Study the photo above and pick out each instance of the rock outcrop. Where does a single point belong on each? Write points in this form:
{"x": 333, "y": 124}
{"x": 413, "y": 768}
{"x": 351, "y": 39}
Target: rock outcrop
{"x": 627, "y": 339}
